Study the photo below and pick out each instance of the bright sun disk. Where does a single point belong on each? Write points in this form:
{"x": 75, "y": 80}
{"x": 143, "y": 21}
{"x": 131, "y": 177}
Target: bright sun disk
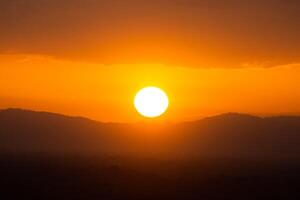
{"x": 151, "y": 102}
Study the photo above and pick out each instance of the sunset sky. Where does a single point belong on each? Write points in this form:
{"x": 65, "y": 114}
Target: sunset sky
{"x": 90, "y": 57}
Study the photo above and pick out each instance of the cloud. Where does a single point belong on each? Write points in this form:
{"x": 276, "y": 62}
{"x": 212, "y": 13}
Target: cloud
{"x": 180, "y": 33}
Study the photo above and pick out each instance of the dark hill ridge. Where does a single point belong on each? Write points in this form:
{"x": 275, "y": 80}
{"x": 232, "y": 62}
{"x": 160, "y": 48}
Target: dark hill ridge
{"x": 232, "y": 136}
{"x": 226, "y": 135}
{"x": 23, "y": 130}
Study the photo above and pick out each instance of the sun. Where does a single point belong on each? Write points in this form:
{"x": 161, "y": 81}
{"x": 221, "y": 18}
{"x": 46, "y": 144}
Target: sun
{"x": 151, "y": 102}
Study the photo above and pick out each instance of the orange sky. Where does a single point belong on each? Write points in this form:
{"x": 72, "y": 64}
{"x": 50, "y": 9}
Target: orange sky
{"x": 106, "y": 93}
{"x": 90, "y": 57}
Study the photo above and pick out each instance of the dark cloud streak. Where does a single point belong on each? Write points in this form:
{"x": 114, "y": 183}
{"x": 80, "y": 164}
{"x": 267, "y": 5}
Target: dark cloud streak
{"x": 189, "y": 33}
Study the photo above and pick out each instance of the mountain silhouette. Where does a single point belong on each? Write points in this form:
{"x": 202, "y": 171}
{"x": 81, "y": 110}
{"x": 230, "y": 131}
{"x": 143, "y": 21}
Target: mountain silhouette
{"x": 227, "y": 135}
{"x": 229, "y": 156}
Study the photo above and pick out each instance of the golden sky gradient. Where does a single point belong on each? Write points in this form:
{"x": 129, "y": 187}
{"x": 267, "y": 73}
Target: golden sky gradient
{"x": 90, "y": 57}
{"x": 106, "y": 93}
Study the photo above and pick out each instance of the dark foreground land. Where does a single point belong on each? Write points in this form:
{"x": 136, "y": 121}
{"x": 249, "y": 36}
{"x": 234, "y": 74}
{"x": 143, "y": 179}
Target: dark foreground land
{"x": 175, "y": 160}
{"x": 78, "y": 177}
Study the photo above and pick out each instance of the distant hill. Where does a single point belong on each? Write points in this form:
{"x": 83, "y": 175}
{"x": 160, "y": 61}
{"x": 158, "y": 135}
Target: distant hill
{"x": 226, "y": 135}
{"x": 29, "y": 131}
{"x": 241, "y": 135}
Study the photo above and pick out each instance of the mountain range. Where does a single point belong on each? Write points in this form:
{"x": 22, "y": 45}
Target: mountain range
{"x": 229, "y": 135}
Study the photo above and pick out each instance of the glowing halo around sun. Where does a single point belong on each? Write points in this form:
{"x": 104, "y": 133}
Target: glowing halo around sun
{"x": 151, "y": 102}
